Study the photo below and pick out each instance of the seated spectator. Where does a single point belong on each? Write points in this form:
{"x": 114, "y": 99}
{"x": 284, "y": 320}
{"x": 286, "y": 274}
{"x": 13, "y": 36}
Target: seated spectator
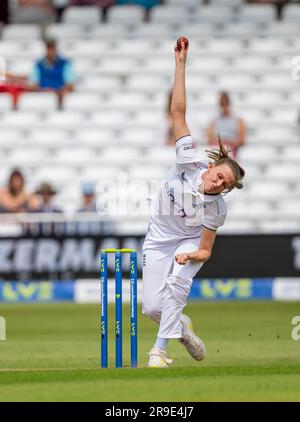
{"x": 59, "y": 6}
{"x": 46, "y": 195}
{"x": 88, "y": 198}
{"x": 4, "y": 11}
{"x": 146, "y": 3}
{"x": 14, "y": 198}
{"x": 231, "y": 129}
{"x": 33, "y": 11}
{"x": 103, "y": 4}
{"x": 53, "y": 73}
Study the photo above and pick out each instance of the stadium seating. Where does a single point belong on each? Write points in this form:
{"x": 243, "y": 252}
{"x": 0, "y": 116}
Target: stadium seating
{"x": 125, "y": 70}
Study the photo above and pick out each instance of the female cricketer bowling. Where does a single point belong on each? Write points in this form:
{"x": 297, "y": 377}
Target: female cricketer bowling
{"x": 187, "y": 213}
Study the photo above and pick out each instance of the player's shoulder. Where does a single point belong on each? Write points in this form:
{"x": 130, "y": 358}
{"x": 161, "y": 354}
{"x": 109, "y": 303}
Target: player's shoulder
{"x": 221, "y": 205}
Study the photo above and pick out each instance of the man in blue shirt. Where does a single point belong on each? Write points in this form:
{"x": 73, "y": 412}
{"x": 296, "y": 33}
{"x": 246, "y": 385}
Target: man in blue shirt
{"x": 53, "y": 73}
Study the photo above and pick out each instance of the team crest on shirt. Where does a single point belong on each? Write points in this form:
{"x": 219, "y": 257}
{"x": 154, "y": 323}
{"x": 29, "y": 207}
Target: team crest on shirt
{"x": 182, "y": 177}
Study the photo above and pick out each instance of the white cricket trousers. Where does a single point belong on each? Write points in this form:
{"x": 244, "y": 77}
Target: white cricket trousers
{"x": 166, "y": 284}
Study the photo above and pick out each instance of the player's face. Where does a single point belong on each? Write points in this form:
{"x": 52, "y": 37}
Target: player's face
{"x": 218, "y": 179}
{"x": 51, "y": 53}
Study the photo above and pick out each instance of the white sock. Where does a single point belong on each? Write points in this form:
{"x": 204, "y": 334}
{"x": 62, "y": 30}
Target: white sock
{"x": 161, "y": 343}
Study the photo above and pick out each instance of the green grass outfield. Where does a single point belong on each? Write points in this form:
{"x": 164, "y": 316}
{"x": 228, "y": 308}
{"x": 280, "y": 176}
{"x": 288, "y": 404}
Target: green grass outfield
{"x": 52, "y": 354}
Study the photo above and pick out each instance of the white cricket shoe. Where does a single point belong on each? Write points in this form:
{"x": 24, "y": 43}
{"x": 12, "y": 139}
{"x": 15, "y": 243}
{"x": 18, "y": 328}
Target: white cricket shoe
{"x": 158, "y": 358}
{"x": 193, "y": 344}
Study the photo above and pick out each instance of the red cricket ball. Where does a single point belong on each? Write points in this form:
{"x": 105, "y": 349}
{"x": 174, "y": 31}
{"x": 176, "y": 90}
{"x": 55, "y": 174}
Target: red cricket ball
{"x": 181, "y": 40}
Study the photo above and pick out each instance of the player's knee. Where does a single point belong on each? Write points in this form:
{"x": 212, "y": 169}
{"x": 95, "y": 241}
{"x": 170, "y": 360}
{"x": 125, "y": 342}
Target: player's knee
{"x": 153, "y": 311}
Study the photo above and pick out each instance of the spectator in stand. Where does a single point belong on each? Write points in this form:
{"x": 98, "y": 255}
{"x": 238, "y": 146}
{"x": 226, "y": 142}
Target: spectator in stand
{"x": 88, "y": 198}
{"x": 103, "y": 4}
{"x": 146, "y": 3}
{"x": 231, "y": 129}
{"x": 4, "y": 15}
{"x": 14, "y": 198}
{"x": 33, "y": 11}
{"x": 46, "y": 195}
{"x": 53, "y": 73}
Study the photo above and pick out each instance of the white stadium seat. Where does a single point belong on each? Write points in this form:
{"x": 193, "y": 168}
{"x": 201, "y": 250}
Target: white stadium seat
{"x": 100, "y": 84}
{"x": 280, "y": 226}
{"x": 127, "y": 101}
{"x": 11, "y": 138}
{"x": 257, "y": 13}
{"x": 39, "y": 101}
{"x": 282, "y": 29}
{"x": 162, "y": 156}
{"x": 28, "y": 157}
{"x": 65, "y": 119}
{"x": 250, "y": 209}
{"x": 132, "y": 14}
{"x": 73, "y": 156}
{"x": 65, "y": 31}
{"x": 11, "y": 49}
{"x": 170, "y": 14}
{"x": 271, "y": 134}
{"x": 21, "y": 67}
{"x": 100, "y": 173}
{"x": 215, "y": 13}
{"x": 253, "y": 64}
{"x": 224, "y": 47}
{"x": 84, "y": 49}
{"x": 133, "y": 48}
{"x": 82, "y": 102}
{"x": 278, "y": 81}
{"x": 208, "y": 64}
{"x": 82, "y": 15}
{"x": 6, "y": 103}
{"x": 284, "y": 116}
{"x": 147, "y": 83}
{"x": 95, "y": 138}
{"x": 291, "y": 13}
{"x": 19, "y": 119}
{"x": 118, "y": 65}
{"x": 20, "y": 32}
{"x": 235, "y": 82}
{"x": 263, "y": 189}
{"x": 261, "y": 99}
{"x": 257, "y": 154}
{"x": 241, "y": 30}
{"x": 50, "y": 138}
{"x": 147, "y": 172}
{"x": 154, "y": 30}
{"x": 195, "y": 31}
{"x": 283, "y": 172}
{"x": 122, "y": 156}
{"x": 270, "y": 47}
{"x": 110, "y": 30}
{"x": 138, "y": 137}
{"x": 236, "y": 227}
{"x": 291, "y": 154}
{"x": 109, "y": 119}
{"x": 56, "y": 175}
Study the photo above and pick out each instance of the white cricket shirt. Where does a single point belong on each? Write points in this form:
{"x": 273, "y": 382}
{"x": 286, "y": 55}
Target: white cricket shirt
{"x": 180, "y": 210}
